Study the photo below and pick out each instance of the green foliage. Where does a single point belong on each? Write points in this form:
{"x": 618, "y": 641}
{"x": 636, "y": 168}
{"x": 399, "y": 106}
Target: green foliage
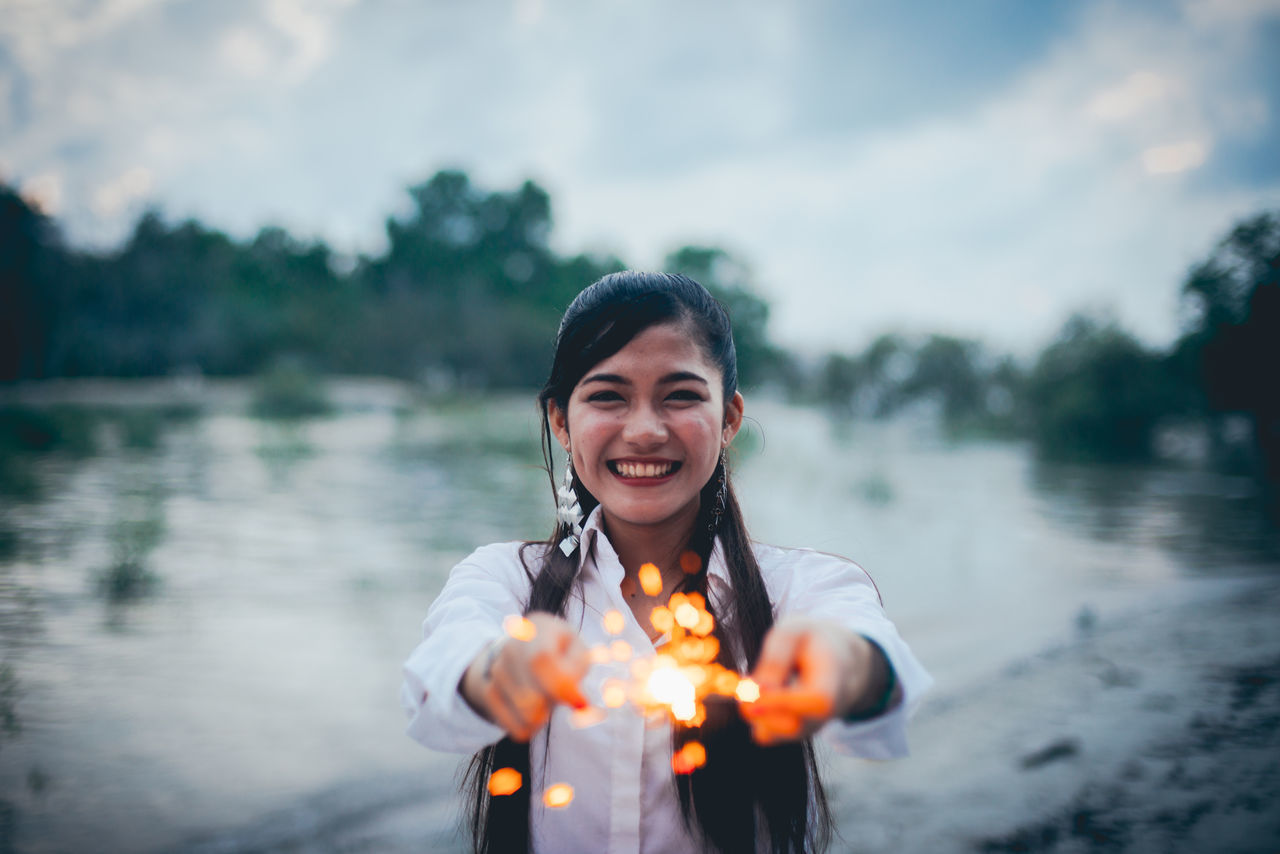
{"x": 1096, "y": 393}
{"x": 289, "y": 390}
{"x": 129, "y": 577}
{"x": 973, "y": 391}
{"x": 10, "y": 723}
{"x": 729, "y": 281}
{"x": 1230, "y": 349}
{"x": 68, "y": 429}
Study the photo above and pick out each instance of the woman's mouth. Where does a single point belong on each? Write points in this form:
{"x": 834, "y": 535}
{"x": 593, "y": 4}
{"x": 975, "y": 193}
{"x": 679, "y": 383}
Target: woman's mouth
{"x": 628, "y": 469}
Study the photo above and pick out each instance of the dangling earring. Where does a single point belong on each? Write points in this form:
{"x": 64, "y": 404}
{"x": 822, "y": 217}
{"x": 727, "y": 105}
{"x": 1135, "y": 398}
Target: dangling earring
{"x": 722, "y": 489}
{"x": 568, "y": 511}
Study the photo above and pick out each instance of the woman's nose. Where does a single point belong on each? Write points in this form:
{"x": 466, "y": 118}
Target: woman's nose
{"x": 645, "y": 428}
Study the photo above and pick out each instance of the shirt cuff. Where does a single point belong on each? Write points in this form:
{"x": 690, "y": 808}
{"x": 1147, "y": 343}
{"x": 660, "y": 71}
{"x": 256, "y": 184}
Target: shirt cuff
{"x": 441, "y": 718}
{"x": 884, "y": 736}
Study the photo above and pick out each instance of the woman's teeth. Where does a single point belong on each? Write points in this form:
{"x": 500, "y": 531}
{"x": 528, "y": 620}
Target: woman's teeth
{"x": 626, "y": 469}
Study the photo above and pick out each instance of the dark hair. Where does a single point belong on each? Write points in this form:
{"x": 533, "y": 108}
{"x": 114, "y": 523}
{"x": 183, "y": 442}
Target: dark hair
{"x": 743, "y": 789}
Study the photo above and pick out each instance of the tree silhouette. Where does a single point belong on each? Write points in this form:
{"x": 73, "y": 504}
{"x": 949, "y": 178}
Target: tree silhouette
{"x": 1232, "y": 338}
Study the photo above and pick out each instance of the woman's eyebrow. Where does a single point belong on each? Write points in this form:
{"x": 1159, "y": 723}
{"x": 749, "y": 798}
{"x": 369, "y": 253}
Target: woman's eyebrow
{"x": 618, "y": 379}
{"x": 606, "y": 378}
{"x": 682, "y": 376}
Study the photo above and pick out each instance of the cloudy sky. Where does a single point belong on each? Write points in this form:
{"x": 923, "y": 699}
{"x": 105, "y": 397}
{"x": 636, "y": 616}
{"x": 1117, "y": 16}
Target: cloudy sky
{"x": 979, "y": 167}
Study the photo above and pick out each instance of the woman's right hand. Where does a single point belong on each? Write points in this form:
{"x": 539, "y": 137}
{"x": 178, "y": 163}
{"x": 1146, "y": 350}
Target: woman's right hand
{"x": 516, "y": 683}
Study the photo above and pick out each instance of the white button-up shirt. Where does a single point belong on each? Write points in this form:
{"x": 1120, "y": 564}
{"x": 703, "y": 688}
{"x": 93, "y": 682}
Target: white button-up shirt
{"x": 625, "y": 797}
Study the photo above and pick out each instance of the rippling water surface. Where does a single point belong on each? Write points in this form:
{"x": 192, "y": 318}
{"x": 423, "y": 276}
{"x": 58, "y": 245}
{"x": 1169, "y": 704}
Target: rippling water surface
{"x": 250, "y": 662}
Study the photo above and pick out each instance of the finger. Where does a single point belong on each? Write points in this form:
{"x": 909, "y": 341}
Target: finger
{"x": 800, "y": 703}
{"x": 772, "y": 730}
{"x": 525, "y": 693}
{"x": 556, "y": 682}
{"x": 777, "y": 657}
{"x": 520, "y": 692}
{"x": 505, "y": 714}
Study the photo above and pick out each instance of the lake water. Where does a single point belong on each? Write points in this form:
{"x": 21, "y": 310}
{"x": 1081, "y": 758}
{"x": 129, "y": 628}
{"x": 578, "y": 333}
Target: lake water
{"x": 253, "y": 687}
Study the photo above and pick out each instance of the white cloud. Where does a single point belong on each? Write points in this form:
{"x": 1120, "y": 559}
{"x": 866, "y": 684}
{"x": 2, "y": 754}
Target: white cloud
{"x": 1053, "y": 195}
{"x": 1082, "y": 181}
{"x": 308, "y": 24}
{"x": 244, "y": 53}
{"x": 1175, "y": 157}
{"x": 44, "y": 191}
{"x": 118, "y": 195}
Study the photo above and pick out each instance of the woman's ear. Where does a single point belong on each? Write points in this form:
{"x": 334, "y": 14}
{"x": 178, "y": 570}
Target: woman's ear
{"x": 733, "y": 409}
{"x": 559, "y": 424}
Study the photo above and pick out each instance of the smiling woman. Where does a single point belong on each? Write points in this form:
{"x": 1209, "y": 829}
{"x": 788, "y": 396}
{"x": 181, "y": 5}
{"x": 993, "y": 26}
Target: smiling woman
{"x": 651, "y": 718}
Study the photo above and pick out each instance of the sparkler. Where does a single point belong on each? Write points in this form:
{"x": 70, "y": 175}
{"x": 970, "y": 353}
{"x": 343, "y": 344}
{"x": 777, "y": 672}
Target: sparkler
{"x": 676, "y": 682}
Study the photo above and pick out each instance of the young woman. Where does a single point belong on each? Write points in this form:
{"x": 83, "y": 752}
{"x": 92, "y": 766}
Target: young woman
{"x": 643, "y": 400}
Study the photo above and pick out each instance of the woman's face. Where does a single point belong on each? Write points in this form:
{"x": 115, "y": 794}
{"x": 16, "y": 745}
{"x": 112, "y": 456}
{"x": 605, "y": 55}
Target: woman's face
{"x": 646, "y": 427}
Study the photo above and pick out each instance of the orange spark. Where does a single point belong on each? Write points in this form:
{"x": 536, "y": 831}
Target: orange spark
{"x": 614, "y": 622}
{"x": 600, "y": 654}
{"x": 726, "y": 682}
{"x": 505, "y": 781}
{"x": 614, "y": 693}
{"x": 662, "y": 619}
{"x": 747, "y": 691}
{"x": 693, "y": 755}
{"x": 520, "y": 628}
{"x": 585, "y": 717}
{"x": 559, "y": 795}
{"x": 620, "y": 650}
{"x": 690, "y": 562}
{"x": 686, "y": 615}
{"x": 650, "y": 579}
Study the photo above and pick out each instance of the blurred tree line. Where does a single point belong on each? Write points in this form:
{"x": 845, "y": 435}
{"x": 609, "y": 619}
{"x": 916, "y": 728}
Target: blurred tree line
{"x": 468, "y": 294}
{"x": 1095, "y": 392}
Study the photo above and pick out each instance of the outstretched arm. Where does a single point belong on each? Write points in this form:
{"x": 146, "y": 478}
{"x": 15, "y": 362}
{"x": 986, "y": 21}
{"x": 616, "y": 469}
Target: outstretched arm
{"x": 516, "y": 682}
{"x": 811, "y": 671}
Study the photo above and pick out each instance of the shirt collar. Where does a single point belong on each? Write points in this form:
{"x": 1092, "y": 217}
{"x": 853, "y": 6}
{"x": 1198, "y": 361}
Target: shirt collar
{"x": 718, "y": 585}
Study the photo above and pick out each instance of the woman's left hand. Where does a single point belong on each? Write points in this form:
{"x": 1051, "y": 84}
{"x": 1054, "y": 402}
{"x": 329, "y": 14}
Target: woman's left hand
{"x": 809, "y": 672}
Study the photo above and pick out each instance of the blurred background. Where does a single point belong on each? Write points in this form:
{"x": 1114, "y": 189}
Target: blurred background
{"x": 278, "y": 281}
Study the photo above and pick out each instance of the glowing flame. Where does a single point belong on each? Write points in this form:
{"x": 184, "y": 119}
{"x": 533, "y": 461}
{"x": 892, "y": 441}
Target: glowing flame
{"x": 520, "y": 628}
{"x": 670, "y": 687}
{"x": 585, "y": 717}
{"x": 505, "y": 781}
{"x": 559, "y": 795}
{"x": 747, "y": 691}
{"x": 620, "y": 650}
{"x": 688, "y": 758}
{"x": 662, "y": 619}
{"x": 614, "y": 693}
{"x": 650, "y": 579}
{"x": 686, "y": 615}
{"x": 614, "y": 622}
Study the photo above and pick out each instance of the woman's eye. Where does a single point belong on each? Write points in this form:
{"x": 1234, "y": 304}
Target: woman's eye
{"x": 684, "y": 394}
{"x": 604, "y": 396}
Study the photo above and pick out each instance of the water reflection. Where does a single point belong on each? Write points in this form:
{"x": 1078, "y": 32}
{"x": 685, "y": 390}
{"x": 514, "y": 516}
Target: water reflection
{"x": 261, "y": 581}
{"x": 1208, "y": 521}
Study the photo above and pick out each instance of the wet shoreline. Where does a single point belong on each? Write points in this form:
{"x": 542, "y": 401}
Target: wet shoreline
{"x": 1154, "y": 730}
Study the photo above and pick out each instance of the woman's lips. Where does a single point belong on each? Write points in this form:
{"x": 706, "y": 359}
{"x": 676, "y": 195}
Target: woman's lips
{"x": 642, "y": 470}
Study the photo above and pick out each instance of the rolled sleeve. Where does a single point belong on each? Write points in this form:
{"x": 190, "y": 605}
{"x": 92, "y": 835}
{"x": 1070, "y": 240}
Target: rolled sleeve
{"x": 828, "y": 587}
{"x": 466, "y": 616}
